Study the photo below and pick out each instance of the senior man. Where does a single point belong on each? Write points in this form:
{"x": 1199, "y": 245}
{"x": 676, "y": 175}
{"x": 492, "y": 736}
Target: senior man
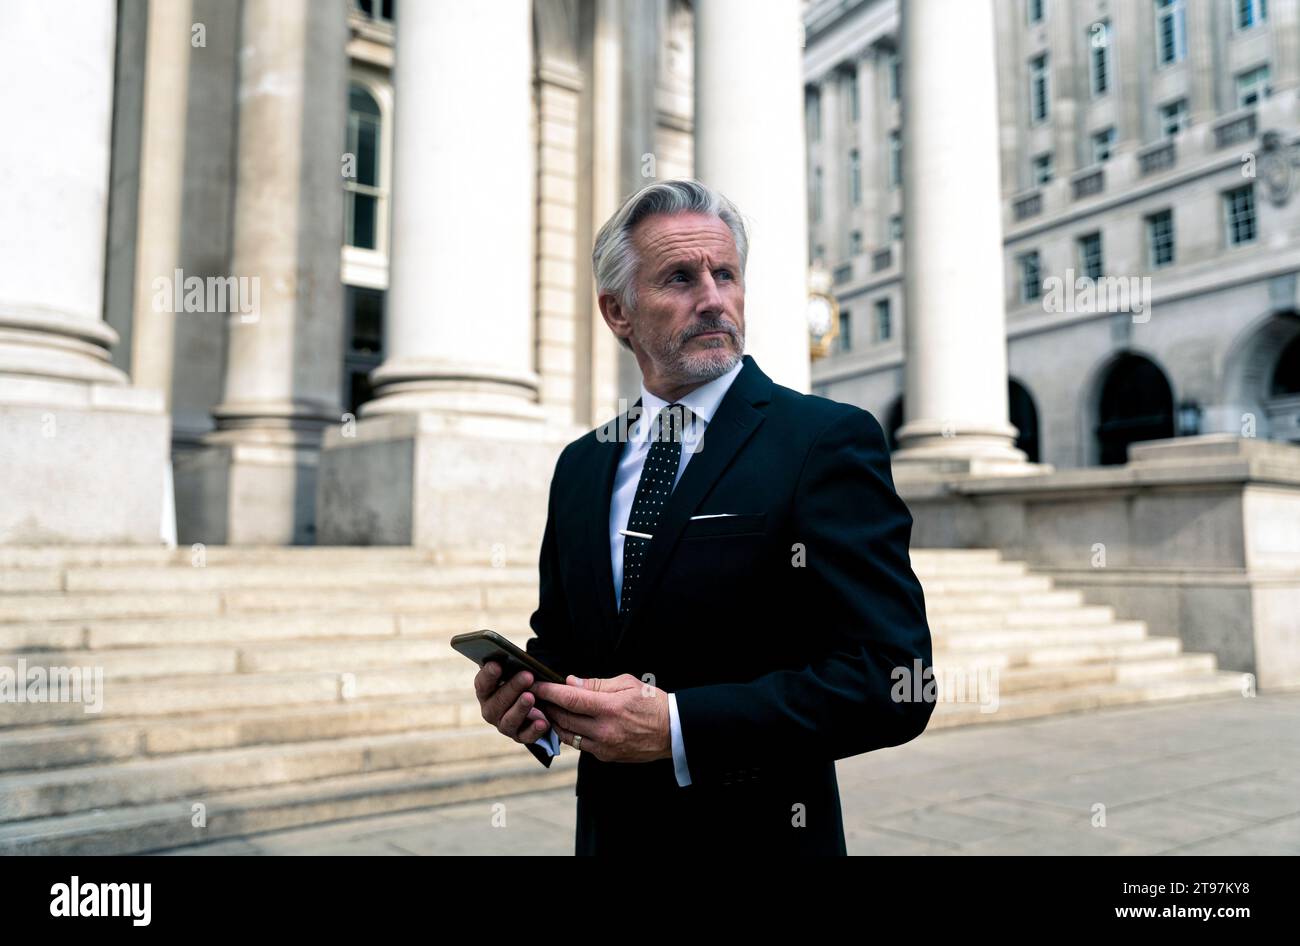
{"x": 725, "y": 579}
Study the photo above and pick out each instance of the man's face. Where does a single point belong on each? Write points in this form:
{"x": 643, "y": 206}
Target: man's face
{"x": 689, "y": 323}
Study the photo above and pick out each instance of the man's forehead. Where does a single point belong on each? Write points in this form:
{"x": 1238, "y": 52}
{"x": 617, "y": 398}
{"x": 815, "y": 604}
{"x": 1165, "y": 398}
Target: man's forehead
{"x": 661, "y": 236}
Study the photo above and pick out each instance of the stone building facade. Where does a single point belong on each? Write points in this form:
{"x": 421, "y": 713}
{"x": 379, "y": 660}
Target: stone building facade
{"x": 318, "y": 271}
{"x": 1148, "y": 151}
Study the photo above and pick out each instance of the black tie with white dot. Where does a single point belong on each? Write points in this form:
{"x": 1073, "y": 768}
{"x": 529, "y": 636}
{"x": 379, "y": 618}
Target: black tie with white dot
{"x": 658, "y": 476}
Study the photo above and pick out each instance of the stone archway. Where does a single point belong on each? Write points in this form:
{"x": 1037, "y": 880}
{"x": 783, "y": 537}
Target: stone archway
{"x": 1135, "y": 403}
{"x": 1024, "y": 417}
{"x": 1257, "y": 398}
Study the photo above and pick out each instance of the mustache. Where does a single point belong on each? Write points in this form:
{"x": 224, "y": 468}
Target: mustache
{"x": 705, "y": 329}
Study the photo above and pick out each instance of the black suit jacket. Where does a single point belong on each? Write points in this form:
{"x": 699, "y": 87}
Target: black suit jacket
{"x": 780, "y": 630}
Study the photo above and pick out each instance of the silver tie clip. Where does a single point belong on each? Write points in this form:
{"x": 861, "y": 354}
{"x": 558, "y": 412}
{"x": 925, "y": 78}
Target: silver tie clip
{"x": 639, "y": 535}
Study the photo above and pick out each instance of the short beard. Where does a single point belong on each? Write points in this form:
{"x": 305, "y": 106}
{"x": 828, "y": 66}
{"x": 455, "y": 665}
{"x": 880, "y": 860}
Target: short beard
{"x": 691, "y": 367}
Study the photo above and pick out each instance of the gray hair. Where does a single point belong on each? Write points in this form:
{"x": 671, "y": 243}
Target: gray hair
{"x": 613, "y": 258}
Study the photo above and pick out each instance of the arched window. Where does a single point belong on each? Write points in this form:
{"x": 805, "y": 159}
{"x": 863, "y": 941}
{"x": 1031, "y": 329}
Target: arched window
{"x": 1024, "y": 417}
{"x": 1286, "y": 373}
{"x": 364, "y": 206}
{"x": 1136, "y": 405}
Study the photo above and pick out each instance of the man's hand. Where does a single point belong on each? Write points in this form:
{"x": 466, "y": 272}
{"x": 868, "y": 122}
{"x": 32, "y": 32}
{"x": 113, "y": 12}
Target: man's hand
{"x": 620, "y": 719}
{"x": 509, "y": 707}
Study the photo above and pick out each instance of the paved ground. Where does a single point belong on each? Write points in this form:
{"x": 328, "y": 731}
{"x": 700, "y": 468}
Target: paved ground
{"x": 1211, "y": 777}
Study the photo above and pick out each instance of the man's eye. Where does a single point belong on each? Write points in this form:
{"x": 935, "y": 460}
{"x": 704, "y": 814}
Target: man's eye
{"x": 676, "y": 274}
{"x": 725, "y": 272}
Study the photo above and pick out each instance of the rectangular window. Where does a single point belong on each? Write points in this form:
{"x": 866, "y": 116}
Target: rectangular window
{"x": 1042, "y": 168}
{"x": 381, "y": 10}
{"x": 895, "y": 162}
{"x": 895, "y": 77}
{"x": 363, "y": 352}
{"x": 1090, "y": 262}
{"x": 855, "y": 177}
{"x": 1160, "y": 238}
{"x": 1103, "y": 143}
{"x": 855, "y": 108}
{"x": 1239, "y": 215}
{"x": 883, "y": 326}
{"x": 812, "y": 104}
{"x": 1031, "y": 283}
{"x": 817, "y": 194}
{"x": 1038, "y": 93}
{"x": 1171, "y": 31}
{"x": 1035, "y": 11}
{"x": 1099, "y": 57}
{"x": 1253, "y": 86}
{"x": 844, "y": 339}
{"x": 1174, "y": 117}
{"x": 855, "y": 242}
{"x": 1031, "y": 278}
{"x": 896, "y": 227}
{"x": 1251, "y": 13}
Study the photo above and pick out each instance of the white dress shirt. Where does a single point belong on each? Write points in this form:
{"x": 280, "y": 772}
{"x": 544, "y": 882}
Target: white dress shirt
{"x": 703, "y": 402}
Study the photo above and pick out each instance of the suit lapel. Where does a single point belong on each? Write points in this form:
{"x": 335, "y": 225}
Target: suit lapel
{"x": 735, "y": 421}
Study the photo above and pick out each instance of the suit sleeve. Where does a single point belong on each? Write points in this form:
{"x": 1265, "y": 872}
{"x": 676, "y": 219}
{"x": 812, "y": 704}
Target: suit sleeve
{"x": 553, "y": 642}
{"x": 861, "y": 602}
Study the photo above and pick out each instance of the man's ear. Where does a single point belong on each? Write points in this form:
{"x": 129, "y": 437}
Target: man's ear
{"x": 616, "y": 317}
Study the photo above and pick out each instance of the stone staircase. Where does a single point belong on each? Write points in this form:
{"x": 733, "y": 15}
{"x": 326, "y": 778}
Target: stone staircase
{"x": 273, "y": 688}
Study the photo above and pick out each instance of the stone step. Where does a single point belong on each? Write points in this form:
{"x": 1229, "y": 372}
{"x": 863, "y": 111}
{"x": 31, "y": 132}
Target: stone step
{"x": 105, "y": 633}
{"x": 29, "y": 608}
{"x": 59, "y": 556}
{"x": 232, "y": 691}
{"x": 1009, "y": 585}
{"x": 1142, "y": 649}
{"x": 1022, "y": 638}
{"x": 193, "y": 776}
{"x": 105, "y": 740}
{"x": 948, "y": 602}
{"x": 1063, "y": 677}
{"x": 344, "y": 575}
{"x": 1050, "y": 703}
{"x": 146, "y": 828}
{"x": 955, "y": 557}
{"x": 336, "y": 656}
{"x": 945, "y": 622}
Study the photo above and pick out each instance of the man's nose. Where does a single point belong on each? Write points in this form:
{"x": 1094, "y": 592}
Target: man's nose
{"x": 710, "y": 299}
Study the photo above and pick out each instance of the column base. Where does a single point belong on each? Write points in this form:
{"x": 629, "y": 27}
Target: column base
{"x": 82, "y": 464}
{"x": 236, "y": 491}
{"x": 932, "y": 449}
{"x": 472, "y": 489}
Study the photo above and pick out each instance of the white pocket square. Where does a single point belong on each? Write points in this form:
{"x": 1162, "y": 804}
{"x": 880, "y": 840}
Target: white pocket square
{"x": 716, "y": 515}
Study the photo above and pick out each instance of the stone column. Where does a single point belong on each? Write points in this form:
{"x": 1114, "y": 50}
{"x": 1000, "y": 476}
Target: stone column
{"x": 834, "y": 179}
{"x": 453, "y": 452}
{"x": 1201, "y": 40}
{"x": 1284, "y": 24}
{"x": 162, "y": 181}
{"x": 82, "y": 454}
{"x": 749, "y": 144}
{"x": 255, "y": 484}
{"x": 955, "y": 340}
{"x": 460, "y": 326}
{"x": 1067, "y": 99}
{"x": 872, "y": 84}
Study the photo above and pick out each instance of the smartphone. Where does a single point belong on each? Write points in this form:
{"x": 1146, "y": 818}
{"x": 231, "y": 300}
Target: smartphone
{"x": 485, "y": 645}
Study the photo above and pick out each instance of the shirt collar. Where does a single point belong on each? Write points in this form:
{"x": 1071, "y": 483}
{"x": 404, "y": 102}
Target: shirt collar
{"x": 703, "y": 401}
